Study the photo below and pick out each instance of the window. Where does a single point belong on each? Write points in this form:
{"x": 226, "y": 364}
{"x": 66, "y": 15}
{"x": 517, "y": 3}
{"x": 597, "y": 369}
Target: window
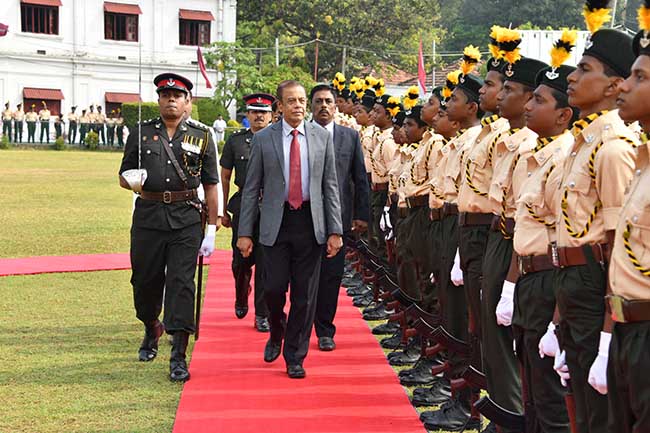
{"x": 120, "y": 27}
{"x": 194, "y": 32}
{"x": 40, "y": 19}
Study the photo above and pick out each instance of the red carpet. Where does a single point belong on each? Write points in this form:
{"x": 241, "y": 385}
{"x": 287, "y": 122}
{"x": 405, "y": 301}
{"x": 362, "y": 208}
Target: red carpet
{"x": 233, "y": 390}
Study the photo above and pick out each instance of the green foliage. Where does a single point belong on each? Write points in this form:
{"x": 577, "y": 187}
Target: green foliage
{"x": 59, "y": 144}
{"x": 150, "y": 110}
{"x": 4, "y": 142}
{"x": 92, "y": 140}
{"x": 209, "y": 109}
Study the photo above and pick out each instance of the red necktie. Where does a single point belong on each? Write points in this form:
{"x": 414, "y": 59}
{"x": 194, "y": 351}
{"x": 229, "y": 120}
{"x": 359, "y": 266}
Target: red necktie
{"x": 295, "y": 179}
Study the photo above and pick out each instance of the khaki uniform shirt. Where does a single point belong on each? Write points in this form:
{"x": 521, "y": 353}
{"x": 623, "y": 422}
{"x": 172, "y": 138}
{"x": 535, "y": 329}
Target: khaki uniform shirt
{"x": 596, "y": 173}
{"x": 119, "y": 121}
{"x": 398, "y": 172}
{"x": 629, "y": 268}
{"x": 72, "y": 117}
{"x": 7, "y": 114}
{"x": 383, "y": 156}
{"x": 535, "y": 221}
{"x": 506, "y": 155}
{"x": 84, "y": 119}
{"x": 453, "y": 155}
{"x": 368, "y": 139}
{"x": 436, "y": 174}
{"x": 417, "y": 172}
{"x": 101, "y": 118}
{"x": 345, "y": 120}
{"x": 31, "y": 116}
{"x": 476, "y": 168}
{"x": 19, "y": 115}
{"x": 44, "y": 115}
{"x": 92, "y": 117}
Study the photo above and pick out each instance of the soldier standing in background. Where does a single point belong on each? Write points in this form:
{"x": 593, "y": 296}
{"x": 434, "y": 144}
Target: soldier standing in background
{"x": 110, "y": 128}
{"x": 44, "y": 116}
{"x": 72, "y": 128}
{"x": 7, "y": 116}
{"x": 101, "y": 120}
{"x": 19, "y": 117}
{"x": 31, "y": 117}
{"x": 84, "y": 121}
{"x": 119, "y": 128}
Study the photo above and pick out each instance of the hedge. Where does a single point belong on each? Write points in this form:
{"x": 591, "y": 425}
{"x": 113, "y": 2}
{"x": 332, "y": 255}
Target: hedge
{"x": 150, "y": 110}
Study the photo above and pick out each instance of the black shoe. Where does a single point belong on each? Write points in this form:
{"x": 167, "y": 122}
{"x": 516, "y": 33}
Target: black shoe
{"x": 358, "y": 290}
{"x": 363, "y": 300}
{"x": 408, "y": 356}
{"x": 296, "y": 371}
{"x": 451, "y": 417}
{"x": 380, "y": 313}
{"x": 149, "y": 346}
{"x": 326, "y": 344}
{"x": 272, "y": 350}
{"x": 393, "y": 342}
{"x": 241, "y": 311}
{"x": 262, "y": 324}
{"x": 439, "y": 393}
{"x": 177, "y": 366}
{"x": 388, "y": 328}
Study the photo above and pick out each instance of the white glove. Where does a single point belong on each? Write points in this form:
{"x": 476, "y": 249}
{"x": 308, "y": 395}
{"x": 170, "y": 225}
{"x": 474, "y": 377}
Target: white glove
{"x": 389, "y": 235}
{"x": 432, "y": 278}
{"x": 506, "y": 305}
{"x": 207, "y": 246}
{"x": 382, "y": 223}
{"x": 386, "y": 216}
{"x": 548, "y": 344}
{"x": 456, "y": 272}
{"x": 560, "y": 367}
{"x": 598, "y": 371}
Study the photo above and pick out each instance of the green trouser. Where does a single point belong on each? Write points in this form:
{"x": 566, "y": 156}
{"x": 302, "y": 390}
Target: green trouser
{"x": 579, "y": 292}
{"x": 418, "y": 245}
{"x": 120, "y": 136}
{"x": 534, "y": 307}
{"x": 6, "y": 128}
{"x": 499, "y": 362}
{"x": 110, "y": 135}
{"x": 377, "y": 204}
{"x": 406, "y": 272}
{"x": 57, "y": 130}
{"x": 473, "y": 240}
{"x": 31, "y": 131}
{"x": 45, "y": 130}
{"x": 83, "y": 130}
{"x": 72, "y": 134}
{"x": 18, "y": 132}
{"x": 628, "y": 381}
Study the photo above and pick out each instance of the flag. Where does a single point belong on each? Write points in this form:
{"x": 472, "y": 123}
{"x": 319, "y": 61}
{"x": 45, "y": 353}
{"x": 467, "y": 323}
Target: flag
{"x": 199, "y": 58}
{"x": 3, "y": 29}
{"x": 422, "y": 76}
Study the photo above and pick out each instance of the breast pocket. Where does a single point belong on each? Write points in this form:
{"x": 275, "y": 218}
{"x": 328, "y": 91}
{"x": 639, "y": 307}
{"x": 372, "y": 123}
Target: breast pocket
{"x": 578, "y": 186}
{"x": 150, "y": 154}
{"x": 638, "y": 219}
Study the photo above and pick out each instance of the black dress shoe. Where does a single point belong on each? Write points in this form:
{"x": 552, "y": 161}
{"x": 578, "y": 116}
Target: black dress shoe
{"x": 408, "y": 356}
{"x": 326, "y": 344}
{"x": 388, "y": 328}
{"x": 241, "y": 311}
{"x": 393, "y": 342}
{"x": 177, "y": 365}
{"x": 438, "y": 393}
{"x": 380, "y": 313}
{"x": 272, "y": 350}
{"x": 362, "y": 300}
{"x": 149, "y": 346}
{"x": 450, "y": 417}
{"x": 295, "y": 371}
{"x": 262, "y": 324}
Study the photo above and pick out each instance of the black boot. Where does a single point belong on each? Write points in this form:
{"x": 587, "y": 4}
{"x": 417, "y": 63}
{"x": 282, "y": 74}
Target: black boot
{"x": 177, "y": 365}
{"x": 149, "y": 346}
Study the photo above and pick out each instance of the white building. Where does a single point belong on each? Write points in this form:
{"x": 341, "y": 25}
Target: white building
{"x": 83, "y": 52}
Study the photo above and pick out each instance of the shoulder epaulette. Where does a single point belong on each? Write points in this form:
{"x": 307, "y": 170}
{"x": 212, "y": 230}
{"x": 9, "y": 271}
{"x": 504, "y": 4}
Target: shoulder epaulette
{"x": 150, "y": 121}
{"x": 197, "y": 124}
{"x": 241, "y": 131}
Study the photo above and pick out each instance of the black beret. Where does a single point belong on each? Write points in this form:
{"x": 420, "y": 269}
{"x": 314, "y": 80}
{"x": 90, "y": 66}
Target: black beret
{"x": 368, "y": 99}
{"x": 437, "y": 92}
{"x": 470, "y": 84}
{"x": 383, "y": 100}
{"x": 641, "y": 44}
{"x": 556, "y": 79}
{"x": 495, "y": 65}
{"x": 523, "y": 71}
{"x": 613, "y": 48}
{"x": 398, "y": 120}
{"x": 170, "y": 80}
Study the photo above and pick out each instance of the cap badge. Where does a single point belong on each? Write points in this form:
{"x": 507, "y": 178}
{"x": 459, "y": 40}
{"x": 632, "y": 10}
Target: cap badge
{"x": 552, "y": 75}
{"x": 496, "y": 63}
{"x": 589, "y": 43}
{"x": 171, "y": 82}
{"x": 259, "y": 100}
{"x": 644, "y": 41}
{"x": 509, "y": 72}
{"x": 462, "y": 80}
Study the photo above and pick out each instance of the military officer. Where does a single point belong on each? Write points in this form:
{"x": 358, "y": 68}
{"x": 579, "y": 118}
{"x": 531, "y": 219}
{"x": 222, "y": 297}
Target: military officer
{"x": 119, "y": 128}
{"x": 7, "y": 116}
{"x": 44, "y": 117}
{"x": 166, "y": 234}
{"x": 110, "y": 128}
{"x": 628, "y": 384}
{"x": 19, "y": 117}
{"x": 73, "y": 118}
{"x": 31, "y": 117}
{"x": 236, "y": 152}
{"x": 99, "y": 125}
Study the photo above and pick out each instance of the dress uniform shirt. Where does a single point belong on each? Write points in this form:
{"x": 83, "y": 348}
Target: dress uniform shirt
{"x": 7, "y": 114}
{"x": 454, "y": 153}
{"x": 398, "y": 172}
{"x": 535, "y": 220}
{"x": 44, "y": 114}
{"x": 31, "y": 116}
{"x": 628, "y": 277}
{"x": 304, "y": 158}
{"x": 436, "y": 174}
{"x": 368, "y": 137}
{"x": 72, "y": 117}
{"x": 476, "y": 168}
{"x": 19, "y": 115}
{"x": 597, "y": 187}
{"x": 417, "y": 172}
{"x": 383, "y": 155}
{"x": 506, "y": 154}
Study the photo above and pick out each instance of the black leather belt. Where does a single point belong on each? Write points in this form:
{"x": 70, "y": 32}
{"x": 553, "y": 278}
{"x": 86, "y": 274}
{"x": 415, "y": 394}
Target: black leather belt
{"x": 169, "y": 196}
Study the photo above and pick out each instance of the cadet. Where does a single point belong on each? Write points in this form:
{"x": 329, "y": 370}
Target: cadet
{"x": 628, "y": 382}
{"x": 99, "y": 125}
{"x": 549, "y": 115}
{"x": 72, "y": 128}
{"x": 58, "y": 123}
{"x": 589, "y": 198}
{"x": 31, "y": 117}
{"x": 119, "y": 129}
{"x": 110, "y": 128}
{"x": 44, "y": 117}
{"x": 7, "y": 116}
{"x": 84, "y": 121}
{"x": 19, "y": 117}
{"x": 167, "y": 231}
{"x": 235, "y": 156}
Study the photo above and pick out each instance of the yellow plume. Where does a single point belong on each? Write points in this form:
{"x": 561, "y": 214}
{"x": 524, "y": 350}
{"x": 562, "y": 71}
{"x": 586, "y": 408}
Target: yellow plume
{"x": 596, "y": 14}
{"x": 453, "y": 77}
{"x": 493, "y": 46}
{"x": 411, "y": 97}
{"x": 380, "y": 90}
{"x": 471, "y": 57}
{"x": 446, "y": 92}
{"x": 393, "y": 106}
{"x": 561, "y": 50}
{"x": 643, "y": 16}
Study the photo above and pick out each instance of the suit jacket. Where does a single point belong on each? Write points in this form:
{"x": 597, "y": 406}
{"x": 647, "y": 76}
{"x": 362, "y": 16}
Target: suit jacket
{"x": 265, "y": 178}
{"x": 351, "y": 173}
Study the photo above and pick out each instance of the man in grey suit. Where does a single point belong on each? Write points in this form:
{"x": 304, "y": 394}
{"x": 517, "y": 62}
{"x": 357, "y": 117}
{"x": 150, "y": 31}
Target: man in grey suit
{"x": 354, "y": 192}
{"x": 292, "y": 184}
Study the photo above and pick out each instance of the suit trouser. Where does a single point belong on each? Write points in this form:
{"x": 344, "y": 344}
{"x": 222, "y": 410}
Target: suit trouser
{"x": 579, "y": 292}
{"x": 242, "y": 271}
{"x": 473, "y": 240}
{"x": 377, "y": 204}
{"x": 294, "y": 259}
{"x": 6, "y": 128}
{"x": 45, "y": 129}
{"x": 628, "y": 381}
{"x": 72, "y": 135}
{"x": 499, "y": 362}
{"x": 165, "y": 262}
{"x": 534, "y": 305}
{"x": 331, "y": 274}
{"x": 18, "y": 132}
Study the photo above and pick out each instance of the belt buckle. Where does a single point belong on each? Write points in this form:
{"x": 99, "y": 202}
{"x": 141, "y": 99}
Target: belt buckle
{"x": 167, "y": 197}
{"x": 616, "y": 304}
{"x": 555, "y": 255}
{"x": 520, "y": 262}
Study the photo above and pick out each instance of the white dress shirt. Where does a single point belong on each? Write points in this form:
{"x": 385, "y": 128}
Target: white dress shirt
{"x": 287, "y": 137}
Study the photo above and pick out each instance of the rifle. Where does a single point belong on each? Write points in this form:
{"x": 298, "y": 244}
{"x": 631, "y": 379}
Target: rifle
{"x": 499, "y": 415}
{"x": 474, "y": 378}
{"x": 197, "y": 318}
{"x": 569, "y": 400}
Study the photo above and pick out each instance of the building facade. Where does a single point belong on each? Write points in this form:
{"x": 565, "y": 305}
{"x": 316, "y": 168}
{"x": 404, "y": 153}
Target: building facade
{"x": 87, "y": 52}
